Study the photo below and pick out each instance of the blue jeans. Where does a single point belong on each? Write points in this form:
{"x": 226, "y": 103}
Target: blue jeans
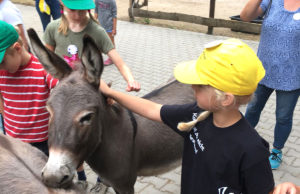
{"x": 55, "y": 11}
{"x": 285, "y": 106}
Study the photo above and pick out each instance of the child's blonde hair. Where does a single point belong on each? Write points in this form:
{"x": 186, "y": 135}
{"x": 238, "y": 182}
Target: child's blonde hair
{"x": 220, "y": 95}
{"x": 238, "y": 100}
{"x": 64, "y": 24}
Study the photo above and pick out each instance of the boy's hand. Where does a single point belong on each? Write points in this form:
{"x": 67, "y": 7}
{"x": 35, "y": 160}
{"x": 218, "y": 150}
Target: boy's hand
{"x": 104, "y": 88}
{"x": 285, "y": 188}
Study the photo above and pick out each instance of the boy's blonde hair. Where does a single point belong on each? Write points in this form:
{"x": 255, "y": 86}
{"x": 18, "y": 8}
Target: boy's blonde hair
{"x": 220, "y": 95}
{"x": 64, "y": 24}
{"x": 238, "y": 100}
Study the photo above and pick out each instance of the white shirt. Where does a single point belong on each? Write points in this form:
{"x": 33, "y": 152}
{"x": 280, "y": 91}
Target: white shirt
{"x": 10, "y": 13}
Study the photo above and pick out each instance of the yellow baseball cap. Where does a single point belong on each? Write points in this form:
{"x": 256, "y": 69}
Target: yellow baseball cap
{"x": 228, "y": 65}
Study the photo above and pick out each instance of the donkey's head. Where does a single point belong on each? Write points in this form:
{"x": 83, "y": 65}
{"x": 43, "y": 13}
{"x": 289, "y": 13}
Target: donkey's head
{"x": 74, "y": 106}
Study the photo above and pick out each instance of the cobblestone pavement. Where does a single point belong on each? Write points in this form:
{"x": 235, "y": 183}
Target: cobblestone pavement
{"x": 151, "y": 53}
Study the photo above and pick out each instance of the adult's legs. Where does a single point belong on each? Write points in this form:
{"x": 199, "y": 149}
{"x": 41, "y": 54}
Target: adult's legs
{"x": 55, "y": 8}
{"x": 55, "y": 12}
{"x": 285, "y": 105}
{"x": 255, "y": 107}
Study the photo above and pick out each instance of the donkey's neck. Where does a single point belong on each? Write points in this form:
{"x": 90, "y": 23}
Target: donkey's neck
{"x": 117, "y": 136}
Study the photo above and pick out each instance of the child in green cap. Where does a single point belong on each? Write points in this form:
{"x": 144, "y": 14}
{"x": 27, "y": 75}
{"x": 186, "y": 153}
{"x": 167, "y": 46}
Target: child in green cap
{"x": 64, "y": 36}
{"x": 24, "y": 88}
{"x": 222, "y": 153}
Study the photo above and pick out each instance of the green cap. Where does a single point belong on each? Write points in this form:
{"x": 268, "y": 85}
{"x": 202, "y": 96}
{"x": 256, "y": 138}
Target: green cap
{"x": 79, "y": 4}
{"x": 8, "y": 36}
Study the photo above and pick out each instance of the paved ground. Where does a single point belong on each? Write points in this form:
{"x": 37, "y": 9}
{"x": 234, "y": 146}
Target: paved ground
{"x": 151, "y": 52}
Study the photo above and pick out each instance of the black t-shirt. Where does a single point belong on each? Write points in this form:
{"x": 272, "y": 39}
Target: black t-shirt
{"x": 229, "y": 160}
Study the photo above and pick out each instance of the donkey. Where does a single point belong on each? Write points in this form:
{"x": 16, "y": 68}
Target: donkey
{"x": 20, "y": 169}
{"x": 117, "y": 144}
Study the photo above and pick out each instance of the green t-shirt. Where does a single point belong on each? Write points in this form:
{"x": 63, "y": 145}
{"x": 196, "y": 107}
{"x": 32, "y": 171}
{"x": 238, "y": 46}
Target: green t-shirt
{"x": 72, "y": 43}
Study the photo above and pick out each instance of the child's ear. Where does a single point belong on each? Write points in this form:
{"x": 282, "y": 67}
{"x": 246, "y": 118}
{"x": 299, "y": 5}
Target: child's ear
{"x": 228, "y": 100}
{"x": 17, "y": 46}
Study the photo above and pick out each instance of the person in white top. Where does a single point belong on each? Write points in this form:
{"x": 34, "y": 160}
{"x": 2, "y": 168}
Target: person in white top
{"x": 12, "y": 15}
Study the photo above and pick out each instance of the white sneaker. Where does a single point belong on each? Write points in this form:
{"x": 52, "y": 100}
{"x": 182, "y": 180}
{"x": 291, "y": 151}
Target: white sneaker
{"x": 82, "y": 184}
{"x": 99, "y": 187}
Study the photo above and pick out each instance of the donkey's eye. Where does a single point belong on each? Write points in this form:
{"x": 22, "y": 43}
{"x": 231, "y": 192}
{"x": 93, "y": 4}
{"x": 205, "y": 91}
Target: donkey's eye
{"x": 86, "y": 119}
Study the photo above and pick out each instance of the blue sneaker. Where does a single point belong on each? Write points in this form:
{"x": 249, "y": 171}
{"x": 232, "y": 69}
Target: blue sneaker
{"x": 275, "y": 158}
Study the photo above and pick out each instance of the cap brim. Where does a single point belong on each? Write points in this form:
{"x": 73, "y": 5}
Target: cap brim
{"x": 2, "y": 53}
{"x": 186, "y": 73}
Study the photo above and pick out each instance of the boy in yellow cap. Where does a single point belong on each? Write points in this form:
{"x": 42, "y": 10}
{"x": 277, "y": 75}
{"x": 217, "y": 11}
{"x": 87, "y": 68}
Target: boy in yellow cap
{"x": 222, "y": 153}
{"x": 24, "y": 88}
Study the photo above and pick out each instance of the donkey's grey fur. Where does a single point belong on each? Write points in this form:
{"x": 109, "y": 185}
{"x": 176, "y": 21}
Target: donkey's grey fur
{"x": 117, "y": 144}
{"x": 20, "y": 169}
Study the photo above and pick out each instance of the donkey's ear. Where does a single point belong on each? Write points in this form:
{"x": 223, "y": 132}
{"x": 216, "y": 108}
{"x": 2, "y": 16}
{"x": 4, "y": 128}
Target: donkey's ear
{"x": 53, "y": 64}
{"x": 92, "y": 61}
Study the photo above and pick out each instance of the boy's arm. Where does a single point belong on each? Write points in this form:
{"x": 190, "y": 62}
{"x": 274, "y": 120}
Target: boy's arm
{"x": 51, "y": 81}
{"x": 143, "y": 107}
{"x": 257, "y": 174}
{"x": 251, "y": 11}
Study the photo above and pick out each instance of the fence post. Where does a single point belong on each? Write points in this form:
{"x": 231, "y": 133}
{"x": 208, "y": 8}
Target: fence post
{"x": 211, "y": 14}
{"x": 130, "y": 12}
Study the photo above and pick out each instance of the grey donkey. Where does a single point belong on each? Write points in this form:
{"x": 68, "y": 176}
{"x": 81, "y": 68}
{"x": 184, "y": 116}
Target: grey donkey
{"x": 20, "y": 169}
{"x": 116, "y": 143}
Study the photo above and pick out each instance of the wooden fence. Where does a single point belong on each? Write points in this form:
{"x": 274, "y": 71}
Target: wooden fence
{"x": 210, "y": 21}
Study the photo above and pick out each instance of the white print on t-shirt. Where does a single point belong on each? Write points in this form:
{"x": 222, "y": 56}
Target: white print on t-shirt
{"x": 72, "y": 49}
{"x": 222, "y": 190}
{"x": 296, "y": 16}
{"x": 195, "y": 140}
